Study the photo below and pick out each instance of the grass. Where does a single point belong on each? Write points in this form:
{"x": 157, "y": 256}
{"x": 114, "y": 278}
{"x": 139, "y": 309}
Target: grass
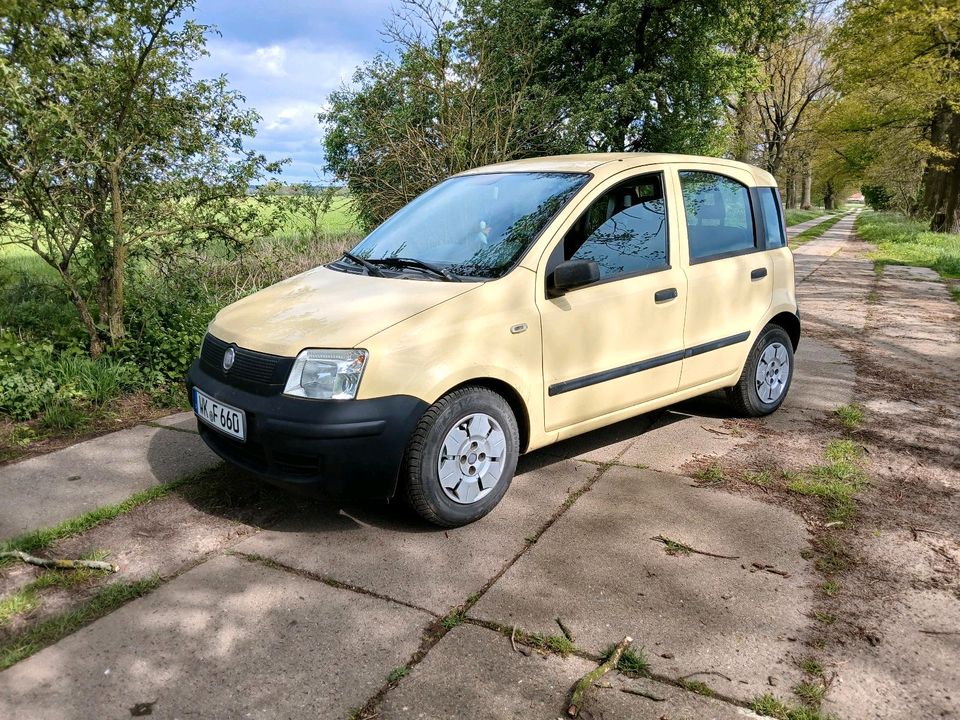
{"x": 632, "y": 662}
{"x": 830, "y": 588}
{"x": 711, "y": 474}
{"x": 27, "y": 598}
{"x": 811, "y": 666}
{"x": 761, "y": 478}
{"x": 795, "y": 216}
{"x": 39, "y": 540}
{"x": 837, "y": 482}
{"x": 901, "y": 241}
{"x": 559, "y": 644}
{"x": 814, "y": 232}
{"x": 53, "y": 629}
{"x": 397, "y": 674}
{"x": 700, "y": 688}
{"x": 811, "y": 693}
{"x": 769, "y": 706}
{"x": 453, "y": 618}
{"x": 850, "y": 416}
{"x": 824, "y": 617}
{"x": 833, "y": 555}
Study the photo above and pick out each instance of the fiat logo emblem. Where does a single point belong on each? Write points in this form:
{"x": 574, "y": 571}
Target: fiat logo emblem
{"x": 228, "y": 358}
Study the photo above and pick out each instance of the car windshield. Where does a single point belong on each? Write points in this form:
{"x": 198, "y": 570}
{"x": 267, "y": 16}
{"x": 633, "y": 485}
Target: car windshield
{"x": 473, "y": 225}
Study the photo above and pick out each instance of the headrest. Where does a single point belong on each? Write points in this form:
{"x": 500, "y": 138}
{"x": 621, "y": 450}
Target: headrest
{"x": 709, "y": 206}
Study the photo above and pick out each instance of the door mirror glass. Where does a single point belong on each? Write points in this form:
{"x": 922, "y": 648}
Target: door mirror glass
{"x": 573, "y": 274}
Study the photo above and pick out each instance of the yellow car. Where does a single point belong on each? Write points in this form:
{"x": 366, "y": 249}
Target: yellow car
{"x": 507, "y": 308}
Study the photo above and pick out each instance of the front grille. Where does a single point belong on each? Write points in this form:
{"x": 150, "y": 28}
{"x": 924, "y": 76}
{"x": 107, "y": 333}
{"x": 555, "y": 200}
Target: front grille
{"x": 249, "y": 367}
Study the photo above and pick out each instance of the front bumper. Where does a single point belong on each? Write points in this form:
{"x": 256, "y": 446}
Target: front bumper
{"x": 345, "y": 448}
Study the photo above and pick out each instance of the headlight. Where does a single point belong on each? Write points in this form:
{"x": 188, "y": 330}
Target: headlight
{"x": 326, "y": 374}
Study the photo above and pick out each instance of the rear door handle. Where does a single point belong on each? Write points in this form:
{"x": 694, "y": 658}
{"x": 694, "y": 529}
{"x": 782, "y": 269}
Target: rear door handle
{"x": 758, "y": 273}
{"x": 664, "y": 295}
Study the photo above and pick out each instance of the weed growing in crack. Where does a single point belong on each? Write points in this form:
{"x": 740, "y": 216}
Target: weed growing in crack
{"x": 632, "y": 662}
{"x": 453, "y": 618}
{"x": 833, "y": 555}
{"x": 769, "y": 706}
{"x": 551, "y": 643}
{"x": 397, "y": 674}
{"x": 837, "y": 482}
{"x": 824, "y": 617}
{"x": 698, "y": 687}
{"x": 811, "y": 666}
{"x": 850, "y": 416}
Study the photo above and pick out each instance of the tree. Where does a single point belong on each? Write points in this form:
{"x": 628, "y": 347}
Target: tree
{"x": 450, "y": 101}
{"x": 901, "y": 71}
{"x": 110, "y": 152}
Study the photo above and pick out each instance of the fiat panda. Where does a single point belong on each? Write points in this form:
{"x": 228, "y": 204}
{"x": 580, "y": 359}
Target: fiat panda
{"x": 507, "y": 308}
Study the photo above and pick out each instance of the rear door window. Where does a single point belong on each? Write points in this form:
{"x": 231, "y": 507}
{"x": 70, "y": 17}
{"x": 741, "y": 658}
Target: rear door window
{"x": 718, "y": 213}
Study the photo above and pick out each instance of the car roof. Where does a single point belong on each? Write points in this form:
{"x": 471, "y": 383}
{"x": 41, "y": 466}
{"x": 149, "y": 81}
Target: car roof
{"x": 604, "y": 164}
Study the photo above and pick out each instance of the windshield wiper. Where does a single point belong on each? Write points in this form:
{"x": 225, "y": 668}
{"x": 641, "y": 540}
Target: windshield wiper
{"x": 418, "y": 264}
{"x": 363, "y": 262}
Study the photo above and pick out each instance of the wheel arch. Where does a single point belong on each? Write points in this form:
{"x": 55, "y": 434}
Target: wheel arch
{"x": 513, "y": 398}
{"x": 790, "y": 322}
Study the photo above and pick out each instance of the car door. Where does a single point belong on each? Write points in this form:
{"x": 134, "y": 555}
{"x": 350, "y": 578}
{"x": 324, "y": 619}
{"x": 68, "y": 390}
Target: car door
{"x": 729, "y": 277}
{"x": 619, "y": 341}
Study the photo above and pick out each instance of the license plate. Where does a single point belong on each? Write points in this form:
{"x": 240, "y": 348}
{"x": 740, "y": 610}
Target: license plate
{"x": 225, "y": 418}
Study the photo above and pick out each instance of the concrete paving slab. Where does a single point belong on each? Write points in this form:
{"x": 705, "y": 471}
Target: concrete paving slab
{"x": 181, "y": 421}
{"x": 60, "y": 485}
{"x": 694, "y": 430}
{"x": 823, "y": 377}
{"x": 474, "y": 673}
{"x": 229, "y": 639}
{"x": 658, "y": 701}
{"x": 395, "y": 554}
{"x": 599, "y": 569}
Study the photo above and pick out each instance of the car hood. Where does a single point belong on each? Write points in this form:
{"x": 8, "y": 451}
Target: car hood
{"x": 326, "y": 308}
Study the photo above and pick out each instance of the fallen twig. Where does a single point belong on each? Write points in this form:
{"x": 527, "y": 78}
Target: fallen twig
{"x": 641, "y": 693}
{"x": 60, "y": 564}
{"x": 565, "y": 630}
{"x": 706, "y": 672}
{"x": 771, "y": 569}
{"x": 674, "y": 548}
{"x": 513, "y": 635}
{"x": 940, "y": 632}
{"x": 584, "y": 683}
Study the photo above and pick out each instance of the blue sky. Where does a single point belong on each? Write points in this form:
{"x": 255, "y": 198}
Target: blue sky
{"x": 286, "y": 56}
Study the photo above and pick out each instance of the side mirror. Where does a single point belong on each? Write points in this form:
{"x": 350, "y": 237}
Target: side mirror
{"x": 573, "y": 274}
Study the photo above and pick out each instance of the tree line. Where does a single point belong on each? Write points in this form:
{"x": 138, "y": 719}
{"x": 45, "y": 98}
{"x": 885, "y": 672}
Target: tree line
{"x": 828, "y": 96}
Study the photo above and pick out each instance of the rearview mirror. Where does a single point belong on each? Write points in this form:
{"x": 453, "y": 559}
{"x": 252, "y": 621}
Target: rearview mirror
{"x": 573, "y": 274}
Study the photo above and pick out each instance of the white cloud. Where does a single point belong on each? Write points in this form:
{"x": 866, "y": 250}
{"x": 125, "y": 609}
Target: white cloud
{"x": 288, "y": 84}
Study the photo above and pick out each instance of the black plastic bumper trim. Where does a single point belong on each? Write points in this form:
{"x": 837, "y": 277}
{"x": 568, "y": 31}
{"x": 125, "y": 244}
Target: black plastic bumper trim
{"x": 346, "y": 448}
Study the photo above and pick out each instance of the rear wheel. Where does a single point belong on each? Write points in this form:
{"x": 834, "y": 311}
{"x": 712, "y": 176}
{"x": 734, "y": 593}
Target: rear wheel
{"x": 462, "y": 457}
{"x": 766, "y": 376}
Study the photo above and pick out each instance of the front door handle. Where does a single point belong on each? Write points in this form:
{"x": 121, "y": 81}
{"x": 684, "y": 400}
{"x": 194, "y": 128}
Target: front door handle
{"x": 758, "y": 273}
{"x": 664, "y": 295}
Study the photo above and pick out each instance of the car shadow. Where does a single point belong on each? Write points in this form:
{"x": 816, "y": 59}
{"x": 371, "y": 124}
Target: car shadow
{"x": 229, "y": 492}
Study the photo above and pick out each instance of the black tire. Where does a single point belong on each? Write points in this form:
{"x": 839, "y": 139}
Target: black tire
{"x": 744, "y": 396}
{"x": 420, "y": 473}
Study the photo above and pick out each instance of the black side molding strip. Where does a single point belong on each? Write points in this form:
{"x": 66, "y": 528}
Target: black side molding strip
{"x": 716, "y": 344}
{"x": 604, "y": 375}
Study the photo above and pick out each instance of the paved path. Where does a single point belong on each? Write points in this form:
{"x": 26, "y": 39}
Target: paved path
{"x": 310, "y": 616}
{"x": 795, "y": 230}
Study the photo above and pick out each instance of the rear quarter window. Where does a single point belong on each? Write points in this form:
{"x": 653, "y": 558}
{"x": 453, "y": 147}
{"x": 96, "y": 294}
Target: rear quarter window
{"x": 772, "y": 218}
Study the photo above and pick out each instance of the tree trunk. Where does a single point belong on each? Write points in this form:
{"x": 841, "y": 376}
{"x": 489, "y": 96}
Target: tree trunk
{"x": 807, "y": 185}
{"x": 829, "y": 196}
{"x": 941, "y": 176}
{"x": 86, "y": 317}
{"x": 743, "y": 147}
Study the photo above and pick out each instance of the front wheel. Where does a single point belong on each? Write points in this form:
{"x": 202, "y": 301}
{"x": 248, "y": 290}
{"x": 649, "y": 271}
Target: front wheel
{"x": 766, "y": 376}
{"x": 462, "y": 457}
